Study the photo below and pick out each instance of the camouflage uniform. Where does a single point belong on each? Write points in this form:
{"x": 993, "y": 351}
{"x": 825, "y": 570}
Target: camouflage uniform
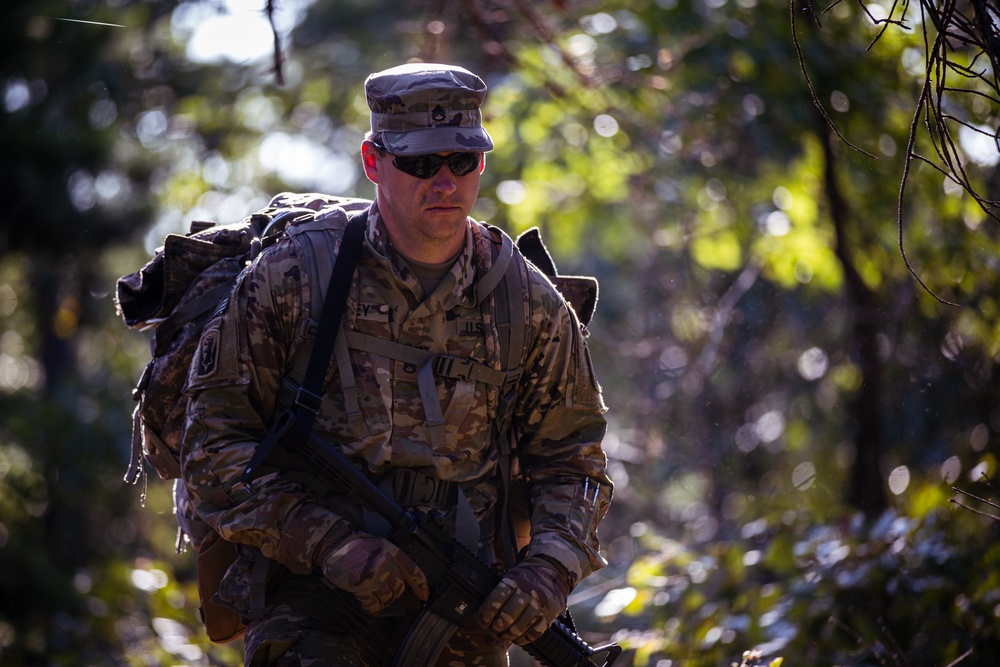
{"x": 378, "y": 417}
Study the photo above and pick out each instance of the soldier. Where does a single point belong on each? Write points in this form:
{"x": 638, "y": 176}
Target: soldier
{"x": 333, "y": 592}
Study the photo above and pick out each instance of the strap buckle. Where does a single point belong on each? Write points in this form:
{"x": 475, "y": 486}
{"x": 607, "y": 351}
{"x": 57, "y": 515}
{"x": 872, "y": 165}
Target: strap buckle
{"x": 307, "y": 400}
{"x": 455, "y": 368}
{"x": 411, "y": 488}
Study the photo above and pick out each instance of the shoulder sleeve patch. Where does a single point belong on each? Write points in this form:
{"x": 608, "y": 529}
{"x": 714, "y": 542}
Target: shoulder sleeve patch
{"x": 207, "y": 359}
{"x": 220, "y": 356}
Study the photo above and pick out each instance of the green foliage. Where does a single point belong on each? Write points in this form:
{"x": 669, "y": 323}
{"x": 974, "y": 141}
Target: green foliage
{"x": 912, "y": 588}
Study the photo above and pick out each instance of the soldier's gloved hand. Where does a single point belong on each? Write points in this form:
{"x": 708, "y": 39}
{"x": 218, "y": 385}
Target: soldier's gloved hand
{"x": 523, "y": 605}
{"x": 374, "y": 570}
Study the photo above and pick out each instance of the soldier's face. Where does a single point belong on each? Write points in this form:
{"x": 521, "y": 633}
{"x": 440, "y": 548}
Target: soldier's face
{"x": 424, "y": 216}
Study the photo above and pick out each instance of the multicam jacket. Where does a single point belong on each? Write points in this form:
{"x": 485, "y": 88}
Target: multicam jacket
{"x": 234, "y": 386}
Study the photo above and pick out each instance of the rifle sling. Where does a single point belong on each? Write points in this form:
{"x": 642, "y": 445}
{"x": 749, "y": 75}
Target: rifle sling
{"x": 296, "y": 424}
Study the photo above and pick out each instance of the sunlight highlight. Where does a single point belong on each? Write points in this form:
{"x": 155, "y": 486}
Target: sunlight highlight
{"x": 239, "y": 33}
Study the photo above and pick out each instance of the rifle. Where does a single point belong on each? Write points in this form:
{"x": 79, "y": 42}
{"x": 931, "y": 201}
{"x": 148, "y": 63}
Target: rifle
{"x": 459, "y": 581}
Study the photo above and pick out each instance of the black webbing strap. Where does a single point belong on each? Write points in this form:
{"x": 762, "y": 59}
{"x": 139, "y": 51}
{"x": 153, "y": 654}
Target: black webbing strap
{"x": 165, "y": 331}
{"x": 296, "y": 423}
{"x": 310, "y": 394}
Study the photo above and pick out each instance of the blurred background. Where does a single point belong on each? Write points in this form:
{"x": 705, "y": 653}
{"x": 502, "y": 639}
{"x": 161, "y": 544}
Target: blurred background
{"x": 792, "y": 212}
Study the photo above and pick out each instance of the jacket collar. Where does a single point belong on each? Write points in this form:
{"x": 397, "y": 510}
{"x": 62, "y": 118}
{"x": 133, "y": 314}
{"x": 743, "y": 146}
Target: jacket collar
{"x": 459, "y": 286}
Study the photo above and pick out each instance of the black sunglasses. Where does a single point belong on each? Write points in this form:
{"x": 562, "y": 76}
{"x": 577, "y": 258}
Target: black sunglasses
{"x": 425, "y": 166}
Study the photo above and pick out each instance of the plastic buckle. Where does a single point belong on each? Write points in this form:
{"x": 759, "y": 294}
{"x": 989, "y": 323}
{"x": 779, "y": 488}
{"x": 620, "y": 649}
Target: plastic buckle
{"x": 307, "y": 400}
{"x": 412, "y": 488}
{"x": 455, "y": 368}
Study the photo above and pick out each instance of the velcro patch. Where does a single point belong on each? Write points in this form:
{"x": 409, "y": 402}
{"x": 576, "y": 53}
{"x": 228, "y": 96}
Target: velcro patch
{"x": 374, "y": 312}
{"x": 470, "y": 326}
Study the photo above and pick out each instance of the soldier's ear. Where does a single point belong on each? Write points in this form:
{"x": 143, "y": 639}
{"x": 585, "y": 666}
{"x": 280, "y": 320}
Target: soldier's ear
{"x": 369, "y": 159}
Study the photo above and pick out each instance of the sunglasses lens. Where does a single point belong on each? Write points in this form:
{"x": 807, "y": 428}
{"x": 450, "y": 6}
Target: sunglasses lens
{"x": 415, "y": 166}
{"x": 425, "y": 166}
{"x": 464, "y": 163}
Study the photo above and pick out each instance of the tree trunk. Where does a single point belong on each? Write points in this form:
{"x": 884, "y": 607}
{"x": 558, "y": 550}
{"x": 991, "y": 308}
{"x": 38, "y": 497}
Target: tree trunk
{"x": 866, "y": 490}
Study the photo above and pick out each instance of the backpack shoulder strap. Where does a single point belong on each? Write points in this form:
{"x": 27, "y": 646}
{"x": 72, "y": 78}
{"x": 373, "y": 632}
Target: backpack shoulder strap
{"x": 507, "y": 280}
{"x": 315, "y": 239}
{"x": 296, "y": 423}
{"x": 496, "y": 272}
{"x": 334, "y": 305}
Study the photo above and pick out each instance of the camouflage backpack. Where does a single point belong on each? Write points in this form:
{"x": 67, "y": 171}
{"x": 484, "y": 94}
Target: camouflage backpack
{"x": 174, "y": 295}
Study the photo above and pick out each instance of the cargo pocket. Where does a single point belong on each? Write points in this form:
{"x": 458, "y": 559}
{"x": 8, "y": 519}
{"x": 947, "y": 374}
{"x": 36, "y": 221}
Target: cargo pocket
{"x": 216, "y": 559}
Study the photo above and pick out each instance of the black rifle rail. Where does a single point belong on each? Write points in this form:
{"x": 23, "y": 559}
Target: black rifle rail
{"x": 459, "y": 581}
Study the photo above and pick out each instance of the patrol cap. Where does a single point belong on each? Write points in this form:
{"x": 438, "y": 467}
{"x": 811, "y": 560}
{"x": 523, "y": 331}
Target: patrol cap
{"x": 424, "y": 108}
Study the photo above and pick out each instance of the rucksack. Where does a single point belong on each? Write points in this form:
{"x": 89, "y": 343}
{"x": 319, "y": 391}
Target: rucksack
{"x": 174, "y": 295}
{"x": 187, "y": 282}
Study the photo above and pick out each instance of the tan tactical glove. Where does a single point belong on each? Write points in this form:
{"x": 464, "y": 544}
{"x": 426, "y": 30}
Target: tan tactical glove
{"x": 374, "y": 570}
{"x": 523, "y": 605}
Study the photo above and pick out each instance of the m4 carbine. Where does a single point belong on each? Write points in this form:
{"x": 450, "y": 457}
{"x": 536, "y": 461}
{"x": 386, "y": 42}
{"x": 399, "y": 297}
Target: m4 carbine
{"x": 459, "y": 581}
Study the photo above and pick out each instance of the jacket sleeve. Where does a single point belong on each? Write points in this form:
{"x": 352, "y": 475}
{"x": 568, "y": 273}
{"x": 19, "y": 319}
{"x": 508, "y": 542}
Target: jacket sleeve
{"x": 559, "y": 424}
{"x": 232, "y": 389}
